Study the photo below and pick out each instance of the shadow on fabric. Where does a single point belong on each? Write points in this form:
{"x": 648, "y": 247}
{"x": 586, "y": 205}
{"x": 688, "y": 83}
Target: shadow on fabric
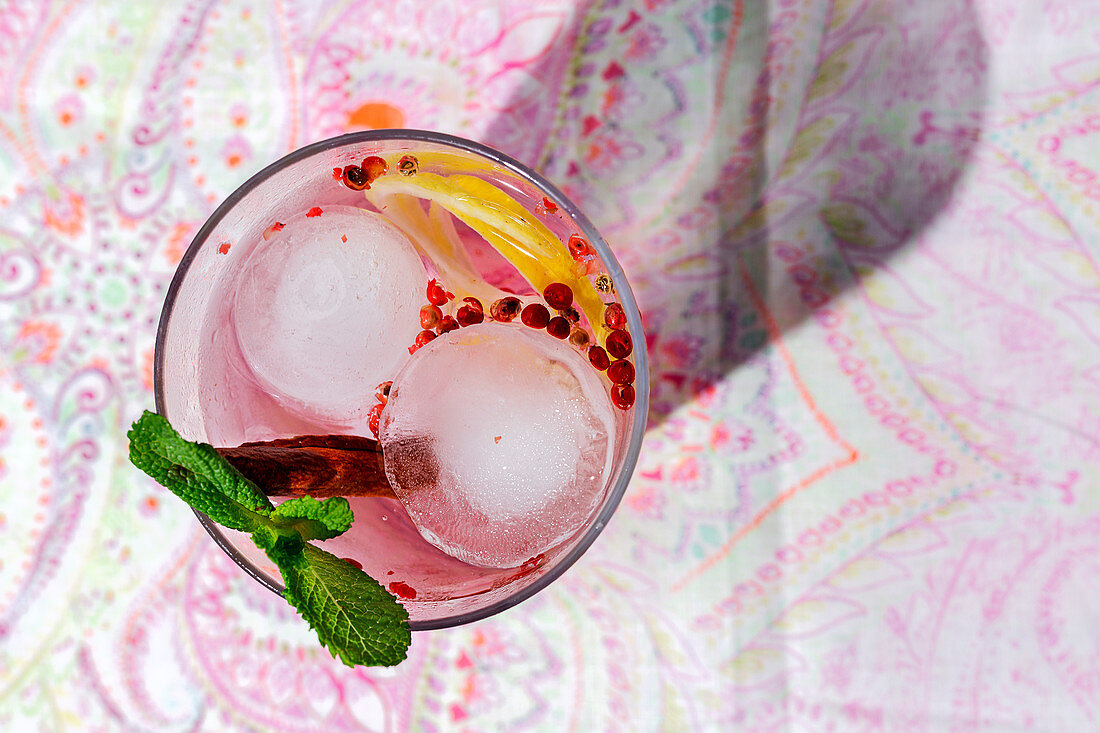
{"x": 747, "y": 162}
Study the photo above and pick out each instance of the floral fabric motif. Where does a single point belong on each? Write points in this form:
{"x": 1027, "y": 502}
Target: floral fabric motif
{"x": 863, "y": 236}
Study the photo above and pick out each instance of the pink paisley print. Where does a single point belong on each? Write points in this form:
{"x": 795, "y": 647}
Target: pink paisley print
{"x": 863, "y": 234}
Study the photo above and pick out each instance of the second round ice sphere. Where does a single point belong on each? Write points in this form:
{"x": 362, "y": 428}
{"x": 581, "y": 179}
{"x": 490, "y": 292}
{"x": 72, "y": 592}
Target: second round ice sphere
{"x": 497, "y": 439}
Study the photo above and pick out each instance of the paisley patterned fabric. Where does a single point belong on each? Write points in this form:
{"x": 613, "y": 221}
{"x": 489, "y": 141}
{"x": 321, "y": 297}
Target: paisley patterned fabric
{"x": 863, "y": 234}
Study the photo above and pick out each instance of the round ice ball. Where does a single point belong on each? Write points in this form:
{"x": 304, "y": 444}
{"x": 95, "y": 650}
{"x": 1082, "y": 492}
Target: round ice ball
{"x": 498, "y": 440}
{"x": 326, "y": 309}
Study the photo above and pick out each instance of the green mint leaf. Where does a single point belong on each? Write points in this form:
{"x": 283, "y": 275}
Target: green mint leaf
{"x": 329, "y": 518}
{"x": 351, "y": 612}
{"x": 278, "y": 543}
{"x": 353, "y": 615}
{"x": 196, "y": 473}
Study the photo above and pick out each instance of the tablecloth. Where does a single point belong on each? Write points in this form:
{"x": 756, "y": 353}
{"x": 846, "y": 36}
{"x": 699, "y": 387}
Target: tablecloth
{"x": 863, "y": 234}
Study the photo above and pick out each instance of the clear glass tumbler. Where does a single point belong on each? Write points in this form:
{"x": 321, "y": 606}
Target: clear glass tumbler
{"x": 203, "y": 389}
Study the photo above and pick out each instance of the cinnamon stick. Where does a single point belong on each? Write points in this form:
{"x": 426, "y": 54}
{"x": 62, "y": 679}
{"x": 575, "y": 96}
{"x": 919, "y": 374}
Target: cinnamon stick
{"x": 318, "y": 465}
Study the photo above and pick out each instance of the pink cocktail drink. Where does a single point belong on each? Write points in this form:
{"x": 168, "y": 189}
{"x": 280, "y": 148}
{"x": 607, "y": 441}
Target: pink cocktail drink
{"x": 510, "y": 431}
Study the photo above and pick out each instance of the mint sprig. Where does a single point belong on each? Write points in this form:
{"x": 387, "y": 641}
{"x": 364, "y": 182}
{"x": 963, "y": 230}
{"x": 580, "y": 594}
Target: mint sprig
{"x": 353, "y": 615}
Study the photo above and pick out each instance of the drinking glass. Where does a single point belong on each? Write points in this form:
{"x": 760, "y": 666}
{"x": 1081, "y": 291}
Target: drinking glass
{"x": 202, "y": 388}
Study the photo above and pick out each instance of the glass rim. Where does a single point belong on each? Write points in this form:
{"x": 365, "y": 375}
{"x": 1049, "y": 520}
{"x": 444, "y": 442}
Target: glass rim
{"x": 622, "y": 288}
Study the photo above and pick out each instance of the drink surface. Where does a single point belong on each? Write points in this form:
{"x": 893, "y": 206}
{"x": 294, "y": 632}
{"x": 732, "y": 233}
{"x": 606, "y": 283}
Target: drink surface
{"x": 325, "y": 306}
